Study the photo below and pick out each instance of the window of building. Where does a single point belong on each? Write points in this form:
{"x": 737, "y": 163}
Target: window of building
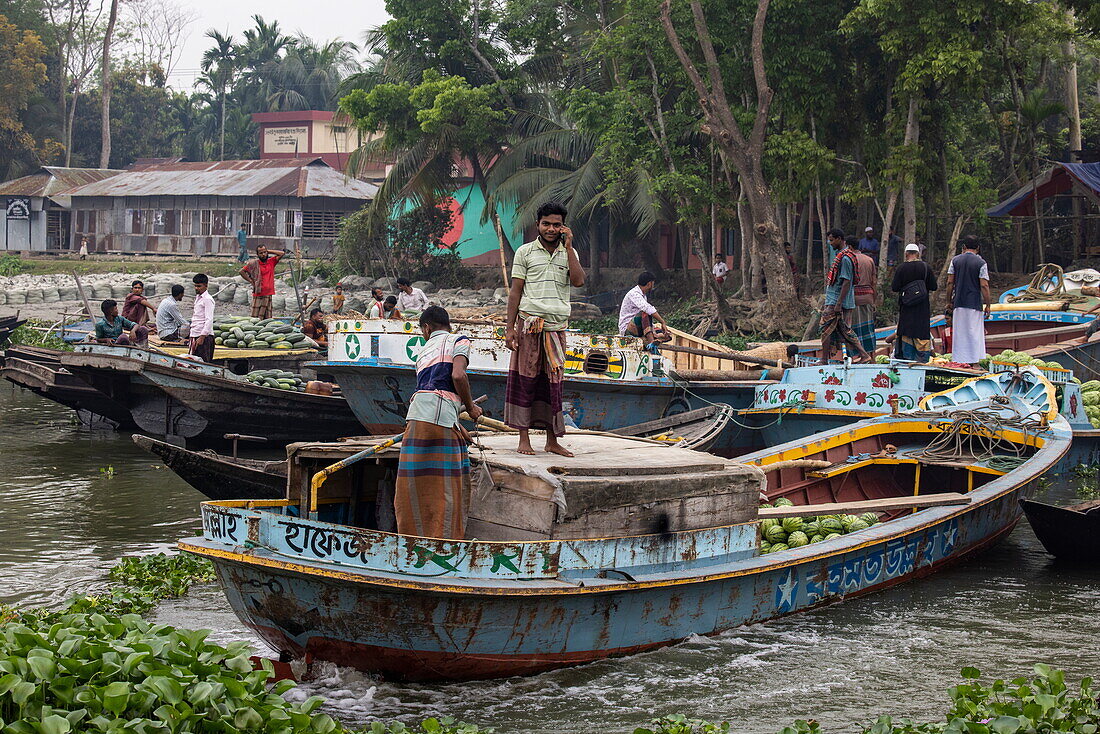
{"x": 136, "y": 222}
{"x": 221, "y": 222}
{"x": 204, "y": 223}
{"x": 321, "y": 225}
{"x": 265, "y": 222}
{"x": 246, "y": 221}
{"x": 288, "y": 223}
{"x": 185, "y": 223}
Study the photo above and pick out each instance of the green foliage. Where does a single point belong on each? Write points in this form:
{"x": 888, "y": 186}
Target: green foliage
{"x": 410, "y": 244}
{"x": 27, "y": 336}
{"x": 680, "y": 724}
{"x": 12, "y": 265}
{"x": 442, "y": 725}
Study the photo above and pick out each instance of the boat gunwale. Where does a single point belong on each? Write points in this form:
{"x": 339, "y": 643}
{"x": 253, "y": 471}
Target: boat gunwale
{"x": 214, "y": 380}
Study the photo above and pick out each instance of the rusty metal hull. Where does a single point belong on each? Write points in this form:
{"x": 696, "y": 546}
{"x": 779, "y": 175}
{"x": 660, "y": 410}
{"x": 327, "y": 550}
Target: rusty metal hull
{"x": 422, "y": 634}
{"x": 427, "y": 609}
{"x": 168, "y": 396}
{"x": 39, "y": 371}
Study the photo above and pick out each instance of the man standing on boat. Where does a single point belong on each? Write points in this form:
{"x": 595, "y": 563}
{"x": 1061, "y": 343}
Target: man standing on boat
{"x": 840, "y": 300}
{"x": 538, "y": 313}
{"x": 913, "y": 280}
{"x": 260, "y": 272}
{"x": 433, "y": 474}
{"x": 202, "y": 321}
{"x": 637, "y": 314}
{"x": 863, "y": 322}
{"x": 968, "y": 290}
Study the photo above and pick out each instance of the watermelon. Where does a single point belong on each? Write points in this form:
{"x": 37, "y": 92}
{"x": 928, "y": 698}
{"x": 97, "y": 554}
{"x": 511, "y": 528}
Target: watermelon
{"x": 797, "y": 539}
{"x": 830, "y": 525}
{"x": 830, "y": 536}
{"x": 783, "y": 502}
{"x": 857, "y": 524}
{"x": 847, "y": 520}
{"x": 767, "y": 523}
{"x": 791, "y": 524}
{"x": 869, "y": 517}
{"x": 817, "y": 538}
{"x": 776, "y": 547}
{"x": 811, "y": 528}
{"x": 766, "y": 504}
{"x": 776, "y": 534}
{"x": 1090, "y": 385}
{"x": 765, "y": 546}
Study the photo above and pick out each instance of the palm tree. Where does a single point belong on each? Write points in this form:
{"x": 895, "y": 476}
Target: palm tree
{"x": 219, "y": 65}
{"x": 258, "y": 56}
{"x": 310, "y": 75}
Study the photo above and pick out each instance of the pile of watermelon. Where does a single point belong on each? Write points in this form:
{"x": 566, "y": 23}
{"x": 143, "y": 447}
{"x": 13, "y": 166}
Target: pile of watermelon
{"x": 278, "y": 379}
{"x": 779, "y": 534}
{"x": 1021, "y": 359}
{"x": 1090, "y": 396}
{"x": 249, "y": 332}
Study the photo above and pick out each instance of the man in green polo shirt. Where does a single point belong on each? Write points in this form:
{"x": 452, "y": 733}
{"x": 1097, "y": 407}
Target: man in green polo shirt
{"x": 538, "y": 313}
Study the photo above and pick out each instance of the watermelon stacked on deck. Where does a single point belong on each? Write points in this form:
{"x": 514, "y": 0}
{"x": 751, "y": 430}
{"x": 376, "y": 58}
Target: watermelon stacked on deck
{"x": 249, "y": 332}
{"x": 277, "y": 379}
{"x": 792, "y": 532}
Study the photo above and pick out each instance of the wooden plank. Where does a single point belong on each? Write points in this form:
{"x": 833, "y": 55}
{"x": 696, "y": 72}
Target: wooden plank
{"x": 886, "y": 503}
{"x": 662, "y": 423}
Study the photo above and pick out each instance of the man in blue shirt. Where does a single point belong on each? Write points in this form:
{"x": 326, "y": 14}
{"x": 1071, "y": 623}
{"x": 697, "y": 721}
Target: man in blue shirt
{"x": 108, "y": 330}
{"x": 840, "y": 299}
{"x": 242, "y": 241}
{"x": 869, "y": 244}
{"x": 893, "y": 249}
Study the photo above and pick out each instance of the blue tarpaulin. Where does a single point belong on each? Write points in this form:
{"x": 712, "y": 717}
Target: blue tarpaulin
{"x": 1059, "y": 179}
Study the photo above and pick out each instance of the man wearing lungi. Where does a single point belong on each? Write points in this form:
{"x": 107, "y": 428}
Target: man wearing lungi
{"x": 840, "y": 299}
{"x": 433, "y": 474}
{"x": 863, "y": 323}
{"x": 260, "y": 273}
{"x": 968, "y": 289}
{"x": 538, "y": 313}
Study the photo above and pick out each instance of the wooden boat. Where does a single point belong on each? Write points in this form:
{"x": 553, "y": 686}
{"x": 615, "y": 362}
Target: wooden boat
{"x": 8, "y": 324}
{"x": 170, "y": 396}
{"x": 318, "y": 575}
{"x": 39, "y": 370}
{"x": 1071, "y": 534}
{"x": 610, "y": 381}
{"x": 220, "y": 477}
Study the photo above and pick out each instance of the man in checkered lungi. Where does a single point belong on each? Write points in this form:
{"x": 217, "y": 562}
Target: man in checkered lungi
{"x": 538, "y": 313}
{"x": 260, "y": 272}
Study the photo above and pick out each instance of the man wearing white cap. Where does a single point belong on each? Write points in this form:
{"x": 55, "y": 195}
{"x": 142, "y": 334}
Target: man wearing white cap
{"x": 913, "y": 280}
{"x": 968, "y": 290}
{"x": 869, "y": 243}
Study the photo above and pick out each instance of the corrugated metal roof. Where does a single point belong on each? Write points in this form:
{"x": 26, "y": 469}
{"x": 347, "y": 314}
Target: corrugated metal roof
{"x": 53, "y": 180}
{"x": 295, "y": 177}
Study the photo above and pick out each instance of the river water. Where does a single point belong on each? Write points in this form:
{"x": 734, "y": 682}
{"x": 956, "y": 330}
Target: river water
{"x": 65, "y": 518}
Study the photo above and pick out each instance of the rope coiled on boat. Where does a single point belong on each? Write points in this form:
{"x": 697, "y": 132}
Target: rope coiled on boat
{"x": 1047, "y": 273}
{"x": 975, "y": 435}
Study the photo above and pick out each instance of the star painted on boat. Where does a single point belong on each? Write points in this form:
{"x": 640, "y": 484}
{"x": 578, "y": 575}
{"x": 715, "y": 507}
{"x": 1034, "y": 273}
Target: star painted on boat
{"x": 950, "y": 535}
{"x": 785, "y": 593}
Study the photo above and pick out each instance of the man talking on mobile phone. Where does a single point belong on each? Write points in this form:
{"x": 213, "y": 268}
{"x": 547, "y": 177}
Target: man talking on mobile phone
{"x": 538, "y": 314}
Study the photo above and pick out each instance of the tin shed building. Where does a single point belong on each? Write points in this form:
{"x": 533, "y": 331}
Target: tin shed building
{"x": 35, "y": 207}
{"x": 196, "y": 207}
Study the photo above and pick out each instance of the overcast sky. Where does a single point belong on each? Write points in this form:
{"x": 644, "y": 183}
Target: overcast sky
{"x": 321, "y": 20}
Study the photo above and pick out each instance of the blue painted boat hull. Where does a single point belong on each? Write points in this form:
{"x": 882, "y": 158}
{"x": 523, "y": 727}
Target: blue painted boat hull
{"x": 420, "y": 634}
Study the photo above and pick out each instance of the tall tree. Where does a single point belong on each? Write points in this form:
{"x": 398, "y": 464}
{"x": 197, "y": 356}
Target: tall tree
{"x": 219, "y": 64}
{"x": 105, "y": 87}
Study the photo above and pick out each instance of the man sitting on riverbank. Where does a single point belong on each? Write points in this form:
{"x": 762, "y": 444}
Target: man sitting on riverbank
{"x": 108, "y": 330}
{"x": 637, "y": 314}
{"x": 411, "y": 300}
{"x": 171, "y": 325}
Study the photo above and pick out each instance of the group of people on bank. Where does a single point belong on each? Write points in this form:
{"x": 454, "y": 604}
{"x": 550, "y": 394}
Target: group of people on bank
{"x": 848, "y": 314}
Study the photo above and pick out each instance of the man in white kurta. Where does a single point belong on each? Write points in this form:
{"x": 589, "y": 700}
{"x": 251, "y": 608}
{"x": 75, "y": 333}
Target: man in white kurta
{"x": 968, "y": 291}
